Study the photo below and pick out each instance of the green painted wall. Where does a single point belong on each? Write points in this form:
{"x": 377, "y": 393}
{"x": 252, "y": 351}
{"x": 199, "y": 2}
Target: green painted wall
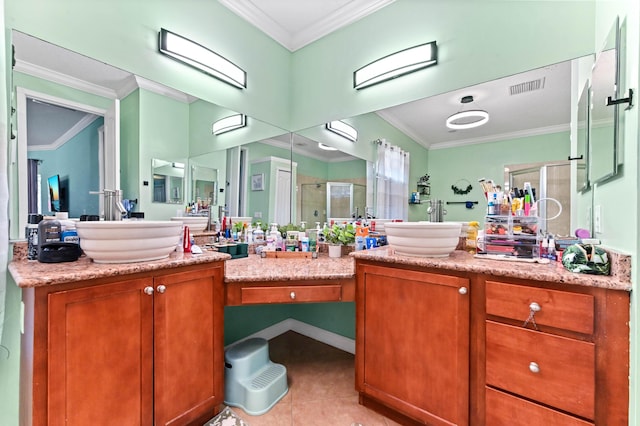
{"x": 130, "y": 147}
{"x": 476, "y": 43}
{"x": 486, "y": 160}
{"x": 164, "y": 134}
{"x": 131, "y": 44}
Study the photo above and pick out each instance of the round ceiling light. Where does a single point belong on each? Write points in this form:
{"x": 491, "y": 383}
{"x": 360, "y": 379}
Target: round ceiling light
{"x": 326, "y": 147}
{"x": 467, "y": 119}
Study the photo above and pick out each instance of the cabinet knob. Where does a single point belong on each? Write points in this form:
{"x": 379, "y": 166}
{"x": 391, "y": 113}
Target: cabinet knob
{"x": 292, "y": 295}
{"x": 148, "y": 290}
{"x": 534, "y": 307}
{"x": 534, "y": 367}
{"x": 462, "y": 290}
{"x": 161, "y": 289}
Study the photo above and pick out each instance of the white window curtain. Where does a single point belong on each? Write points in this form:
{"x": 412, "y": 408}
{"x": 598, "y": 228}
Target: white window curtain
{"x": 392, "y": 182}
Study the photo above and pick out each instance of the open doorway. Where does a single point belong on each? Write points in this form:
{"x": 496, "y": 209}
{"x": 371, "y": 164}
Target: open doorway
{"x": 41, "y": 120}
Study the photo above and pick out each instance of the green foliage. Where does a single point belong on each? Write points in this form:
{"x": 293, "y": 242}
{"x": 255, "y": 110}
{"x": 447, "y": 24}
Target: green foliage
{"x": 289, "y": 227}
{"x": 340, "y": 234}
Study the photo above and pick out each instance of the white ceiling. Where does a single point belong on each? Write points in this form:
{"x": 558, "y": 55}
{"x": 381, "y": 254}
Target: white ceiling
{"x": 295, "y": 23}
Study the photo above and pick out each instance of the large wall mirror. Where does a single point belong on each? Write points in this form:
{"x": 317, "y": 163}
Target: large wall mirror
{"x": 530, "y": 96}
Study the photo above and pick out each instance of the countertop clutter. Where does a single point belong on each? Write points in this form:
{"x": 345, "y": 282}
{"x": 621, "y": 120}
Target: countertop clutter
{"x": 254, "y": 268}
{"x": 459, "y": 260}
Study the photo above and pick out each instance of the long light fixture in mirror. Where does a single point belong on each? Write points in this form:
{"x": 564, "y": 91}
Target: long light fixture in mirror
{"x": 343, "y": 129}
{"x": 397, "y": 64}
{"x": 198, "y": 56}
{"x": 230, "y": 123}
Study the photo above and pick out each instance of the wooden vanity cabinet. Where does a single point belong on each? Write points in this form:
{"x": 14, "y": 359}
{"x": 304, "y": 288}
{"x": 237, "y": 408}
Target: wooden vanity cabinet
{"x": 145, "y": 349}
{"x": 555, "y": 356}
{"x": 412, "y": 344}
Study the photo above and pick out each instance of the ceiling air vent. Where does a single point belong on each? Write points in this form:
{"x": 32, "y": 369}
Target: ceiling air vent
{"x": 527, "y": 86}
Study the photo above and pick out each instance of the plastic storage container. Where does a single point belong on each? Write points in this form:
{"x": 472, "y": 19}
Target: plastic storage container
{"x": 512, "y": 236}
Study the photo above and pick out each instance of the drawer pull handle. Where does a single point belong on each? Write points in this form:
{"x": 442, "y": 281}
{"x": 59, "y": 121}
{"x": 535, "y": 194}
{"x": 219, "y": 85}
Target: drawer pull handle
{"x": 533, "y": 308}
{"x": 462, "y": 290}
{"x": 148, "y": 290}
{"x": 161, "y": 289}
{"x": 534, "y": 367}
{"x": 293, "y": 295}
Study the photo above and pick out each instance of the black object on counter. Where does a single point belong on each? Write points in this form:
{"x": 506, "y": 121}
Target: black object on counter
{"x": 58, "y": 251}
{"x": 89, "y": 218}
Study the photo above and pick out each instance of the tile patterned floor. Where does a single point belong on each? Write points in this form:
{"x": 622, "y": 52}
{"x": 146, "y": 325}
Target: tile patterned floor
{"x": 321, "y": 387}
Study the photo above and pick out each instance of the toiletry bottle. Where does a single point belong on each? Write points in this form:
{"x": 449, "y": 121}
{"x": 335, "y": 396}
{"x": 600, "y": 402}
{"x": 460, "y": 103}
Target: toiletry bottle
{"x": 249, "y": 234}
{"x": 493, "y": 202}
{"x": 69, "y": 234}
{"x": 186, "y": 240}
{"x": 31, "y": 234}
{"x": 49, "y": 230}
{"x": 258, "y": 235}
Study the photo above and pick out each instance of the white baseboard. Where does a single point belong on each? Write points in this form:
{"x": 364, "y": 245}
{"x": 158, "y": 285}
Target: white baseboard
{"x": 311, "y": 331}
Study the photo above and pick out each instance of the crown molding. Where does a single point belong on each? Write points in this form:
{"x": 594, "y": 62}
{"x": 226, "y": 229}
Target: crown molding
{"x": 161, "y": 89}
{"x": 64, "y": 79}
{"x": 346, "y": 15}
{"x": 66, "y": 136}
{"x": 504, "y": 136}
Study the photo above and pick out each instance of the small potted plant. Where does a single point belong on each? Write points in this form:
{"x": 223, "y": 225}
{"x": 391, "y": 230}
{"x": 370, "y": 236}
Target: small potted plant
{"x": 338, "y": 236}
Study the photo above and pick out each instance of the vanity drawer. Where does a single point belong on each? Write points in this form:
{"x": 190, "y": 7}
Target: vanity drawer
{"x": 291, "y": 294}
{"x": 507, "y": 410}
{"x": 559, "y": 309}
{"x": 553, "y": 370}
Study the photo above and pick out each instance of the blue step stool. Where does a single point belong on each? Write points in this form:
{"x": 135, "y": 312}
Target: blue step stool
{"x": 252, "y": 381}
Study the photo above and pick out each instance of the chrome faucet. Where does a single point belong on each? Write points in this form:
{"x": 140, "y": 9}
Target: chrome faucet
{"x": 113, "y": 207}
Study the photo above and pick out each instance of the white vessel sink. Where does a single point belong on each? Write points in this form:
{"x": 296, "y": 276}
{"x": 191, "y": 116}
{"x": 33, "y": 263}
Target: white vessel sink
{"x": 128, "y": 241}
{"x": 195, "y": 223}
{"x": 424, "y": 239}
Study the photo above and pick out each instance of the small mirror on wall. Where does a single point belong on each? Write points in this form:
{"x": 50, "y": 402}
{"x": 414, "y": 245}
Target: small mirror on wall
{"x": 204, "y": 186}
{"x": 582, "y": 137}
{"x": 603, "y": 133}
{"x": 168, "y": 181}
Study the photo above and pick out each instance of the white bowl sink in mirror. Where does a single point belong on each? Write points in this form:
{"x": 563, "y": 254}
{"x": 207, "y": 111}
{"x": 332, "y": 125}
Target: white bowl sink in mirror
{"x": 128, "y": 241}
{"x": 195, "y": 223}
{"x": 423, "y": 239}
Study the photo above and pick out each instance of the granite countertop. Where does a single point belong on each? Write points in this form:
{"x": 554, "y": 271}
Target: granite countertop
{"x": 31, "y": 273}
{"x": 256, "y": 268}
{"x": 459, "y": 260}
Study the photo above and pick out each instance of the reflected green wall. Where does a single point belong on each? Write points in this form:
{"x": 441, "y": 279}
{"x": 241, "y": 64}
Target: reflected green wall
{"x": 459, "y": 165}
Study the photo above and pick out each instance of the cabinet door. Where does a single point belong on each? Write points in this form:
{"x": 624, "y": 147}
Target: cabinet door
{"x": 100, "y": 355}
{"x": 412, "y": 340}
{"x": 189, "y": 347}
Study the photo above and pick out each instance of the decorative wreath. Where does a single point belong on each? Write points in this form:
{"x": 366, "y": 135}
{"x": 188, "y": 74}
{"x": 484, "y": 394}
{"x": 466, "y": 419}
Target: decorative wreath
{"x": 459, "y": 191}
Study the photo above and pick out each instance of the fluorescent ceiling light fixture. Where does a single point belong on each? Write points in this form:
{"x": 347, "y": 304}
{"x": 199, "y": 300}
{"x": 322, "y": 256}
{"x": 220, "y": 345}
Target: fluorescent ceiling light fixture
{"x": 396, "y": 64}
{"x": 326, "y": 147}
{"x": 343, "y": 129}
{"x": 230, "y": 123}
{"x": 198, "y": 56}
{"x": 467, "y": 119}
